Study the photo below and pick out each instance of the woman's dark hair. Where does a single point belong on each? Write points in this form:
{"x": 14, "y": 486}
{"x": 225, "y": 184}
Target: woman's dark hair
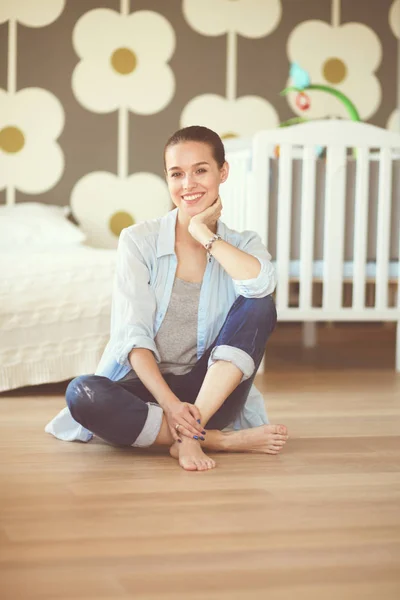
{"x": 197, "y": 133}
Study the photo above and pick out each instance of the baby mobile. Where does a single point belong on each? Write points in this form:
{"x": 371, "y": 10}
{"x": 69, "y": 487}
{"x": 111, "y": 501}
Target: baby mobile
{"x": 302, "y": 82}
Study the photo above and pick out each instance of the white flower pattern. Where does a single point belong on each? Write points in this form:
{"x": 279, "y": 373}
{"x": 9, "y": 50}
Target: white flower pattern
{"x": 104, "y": 204}
{"x": 394, "y": 18}
{"x": 249, "y": 18}
{"x": 30, "y": 122}
{"x": 345, "y": 58}
{"x": 121, "y": 65}
{"x": 31, "y": 13}
{"x": 393, "y": 123}
{"x": 230, "y": 118}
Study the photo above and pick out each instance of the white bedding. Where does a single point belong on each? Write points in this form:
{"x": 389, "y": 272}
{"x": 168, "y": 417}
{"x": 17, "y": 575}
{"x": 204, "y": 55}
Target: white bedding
{"x": 54, "y": 313}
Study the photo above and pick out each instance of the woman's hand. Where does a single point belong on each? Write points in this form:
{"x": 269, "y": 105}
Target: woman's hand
{"x": 187, "y": 416}
{"x": 203, "y": 224}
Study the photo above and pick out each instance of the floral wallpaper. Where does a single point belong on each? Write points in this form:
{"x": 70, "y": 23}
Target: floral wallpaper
{"x": 90, "y": 90}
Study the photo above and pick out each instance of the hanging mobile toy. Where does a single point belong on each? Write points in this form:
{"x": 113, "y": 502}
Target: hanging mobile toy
{"x": 302, "y": 81}
{"x": 303, "y": 101}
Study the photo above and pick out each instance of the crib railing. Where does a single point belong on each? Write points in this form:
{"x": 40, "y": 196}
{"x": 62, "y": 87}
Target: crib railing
{"x": 374, "y": 246}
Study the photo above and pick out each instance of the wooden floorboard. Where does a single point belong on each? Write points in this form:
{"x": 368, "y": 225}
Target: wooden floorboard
{"x": 322, "y": 520}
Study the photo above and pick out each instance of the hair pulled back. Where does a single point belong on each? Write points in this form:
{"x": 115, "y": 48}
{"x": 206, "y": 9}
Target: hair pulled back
{"x": 198, "y": 133}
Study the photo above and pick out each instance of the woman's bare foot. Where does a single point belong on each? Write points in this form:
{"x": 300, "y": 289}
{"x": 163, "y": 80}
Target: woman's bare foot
{"x": 190, "y": 455}
{"x": 267, "y": 439}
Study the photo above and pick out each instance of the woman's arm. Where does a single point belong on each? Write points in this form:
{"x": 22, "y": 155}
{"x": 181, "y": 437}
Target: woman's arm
{"x": 134, "y": 302}
{"x": 145, "y": 366}
{"x": 176, "y": 412}
{"x": 132, "y": 333}
{"x": 250, "y": 266}
{"x": 238, "y": 264}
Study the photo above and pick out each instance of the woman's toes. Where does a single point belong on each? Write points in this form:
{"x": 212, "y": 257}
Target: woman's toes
{"x": 282, "y": 429}
{"x": 279, "y": 443}
{"x": 188, "y": 465}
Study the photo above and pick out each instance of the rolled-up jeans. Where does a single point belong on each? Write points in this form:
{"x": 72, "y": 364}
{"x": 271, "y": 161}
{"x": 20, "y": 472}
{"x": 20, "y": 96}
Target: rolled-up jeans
{"x": 124, "y": 413}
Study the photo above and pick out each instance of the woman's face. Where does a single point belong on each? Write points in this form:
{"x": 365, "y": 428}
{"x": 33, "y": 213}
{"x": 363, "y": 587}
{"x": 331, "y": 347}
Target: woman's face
{"x": 193, "y": 176}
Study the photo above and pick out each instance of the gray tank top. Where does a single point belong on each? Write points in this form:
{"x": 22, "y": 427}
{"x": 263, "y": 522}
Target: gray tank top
{"x": 176, "y": 340}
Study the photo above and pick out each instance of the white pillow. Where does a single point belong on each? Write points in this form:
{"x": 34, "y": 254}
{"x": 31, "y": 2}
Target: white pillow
{"x": 37, "y": 225}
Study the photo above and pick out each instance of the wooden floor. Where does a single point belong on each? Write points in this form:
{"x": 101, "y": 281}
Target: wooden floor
{"x": 322, "y": 520}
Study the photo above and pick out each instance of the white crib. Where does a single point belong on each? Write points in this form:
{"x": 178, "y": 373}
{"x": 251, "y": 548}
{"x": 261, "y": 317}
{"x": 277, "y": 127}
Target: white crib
{"x": 330, "y": 222}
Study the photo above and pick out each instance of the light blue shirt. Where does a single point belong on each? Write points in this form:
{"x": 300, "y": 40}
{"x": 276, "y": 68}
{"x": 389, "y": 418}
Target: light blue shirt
{"x": 145, "y": 274}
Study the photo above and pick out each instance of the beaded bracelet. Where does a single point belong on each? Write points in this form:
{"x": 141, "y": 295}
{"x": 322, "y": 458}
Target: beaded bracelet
{"x": 210, "y": 242}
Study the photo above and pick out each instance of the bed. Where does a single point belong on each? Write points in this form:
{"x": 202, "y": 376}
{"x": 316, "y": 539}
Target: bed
{"x": 55, "y": 301}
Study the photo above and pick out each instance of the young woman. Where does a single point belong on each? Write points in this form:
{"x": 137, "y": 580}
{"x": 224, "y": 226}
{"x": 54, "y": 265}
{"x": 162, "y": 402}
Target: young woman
{"x": 191, "y": 316}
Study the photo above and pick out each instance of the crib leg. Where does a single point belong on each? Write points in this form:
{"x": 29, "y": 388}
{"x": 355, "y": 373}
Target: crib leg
{"x": 261, "y": 368}
{"x": 398, "y": 346}
{"x": 309, "y": 334}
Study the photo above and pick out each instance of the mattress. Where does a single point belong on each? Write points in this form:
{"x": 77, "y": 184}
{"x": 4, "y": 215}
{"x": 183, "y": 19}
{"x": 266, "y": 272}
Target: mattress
{"x": 348, "y": 270}
{"x": 54, "y": 313}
